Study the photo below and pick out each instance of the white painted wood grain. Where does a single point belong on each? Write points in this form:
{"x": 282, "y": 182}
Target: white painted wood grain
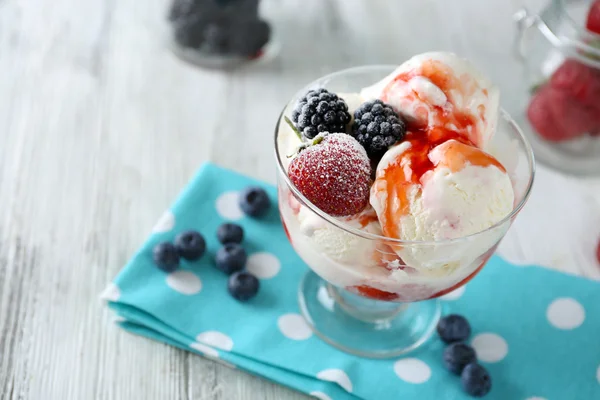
{"x": 100, "y": 127}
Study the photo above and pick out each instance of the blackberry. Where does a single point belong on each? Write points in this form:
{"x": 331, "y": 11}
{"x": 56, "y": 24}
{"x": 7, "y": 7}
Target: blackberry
{"x": 189, "y": 31}
{"x": 216, "y": 38}
{"x": 377, "y": 127}
{"x": 249, "y": 37}
{"x": 320, "y": 111}
{"x": 183, "y": 9}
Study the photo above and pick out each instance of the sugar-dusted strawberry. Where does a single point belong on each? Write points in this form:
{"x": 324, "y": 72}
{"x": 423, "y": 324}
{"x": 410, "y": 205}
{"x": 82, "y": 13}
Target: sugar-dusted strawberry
{"x": 335, "y": 174}
{"x": 580, "y": 81}
{"x": 593, "y": 18}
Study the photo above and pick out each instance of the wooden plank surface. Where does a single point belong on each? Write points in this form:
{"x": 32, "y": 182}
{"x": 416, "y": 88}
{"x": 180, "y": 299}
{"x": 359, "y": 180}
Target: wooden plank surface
{"x": 100, "y": 127}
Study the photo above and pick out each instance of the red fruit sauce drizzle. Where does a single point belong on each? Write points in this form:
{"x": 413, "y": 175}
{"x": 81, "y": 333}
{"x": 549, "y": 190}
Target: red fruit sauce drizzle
{"x": 423, "y": 139}
{"x": 377, "y": 294}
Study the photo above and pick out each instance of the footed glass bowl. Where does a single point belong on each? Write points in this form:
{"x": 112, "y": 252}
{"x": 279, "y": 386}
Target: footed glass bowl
{"x": 370, "y": 295}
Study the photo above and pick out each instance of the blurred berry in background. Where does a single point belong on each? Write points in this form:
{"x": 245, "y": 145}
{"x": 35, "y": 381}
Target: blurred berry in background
{"x": 226, "y": 30}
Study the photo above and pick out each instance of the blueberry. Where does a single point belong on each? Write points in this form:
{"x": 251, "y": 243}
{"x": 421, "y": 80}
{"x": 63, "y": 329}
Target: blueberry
{"x": 165, "y": 256}
{"x": 243, "y": 286}
{"x": 230, "y": 233}
{"x": 453, "y": 328}
{"x": 231, "y": 258}
{"x": 457, "y": 356}
{"x": 254, "y": 201}
{"x": 190, "y": 245}
{"x": 476, "y": 381}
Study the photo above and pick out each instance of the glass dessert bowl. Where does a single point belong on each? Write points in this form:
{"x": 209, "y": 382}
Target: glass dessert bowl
{"x": 370, "y": 291}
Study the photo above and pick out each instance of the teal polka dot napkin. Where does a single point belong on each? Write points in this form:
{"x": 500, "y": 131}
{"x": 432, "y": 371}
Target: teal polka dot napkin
{"x": 537, "y": 331}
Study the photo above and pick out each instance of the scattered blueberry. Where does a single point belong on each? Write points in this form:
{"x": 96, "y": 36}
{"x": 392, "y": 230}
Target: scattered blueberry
{"x": 476, "y": 381}
{"x": 190, "y": 245}
{"x": 231, "y": 258}
{"x": 457, "y": 356}
{"x": 254, "y": 201}
{"x": 243, "y": 286}
{"x": 230, "y": 233}
{"x": 165, "y": 256}
{"x": 453, "y": 328}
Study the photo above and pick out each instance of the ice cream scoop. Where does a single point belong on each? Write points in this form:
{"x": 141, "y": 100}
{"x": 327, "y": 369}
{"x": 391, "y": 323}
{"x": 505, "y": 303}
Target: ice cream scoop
{"x": 439, "y": 183}
{"x": 441, "y": 92}
{"x": 466, "y": 191}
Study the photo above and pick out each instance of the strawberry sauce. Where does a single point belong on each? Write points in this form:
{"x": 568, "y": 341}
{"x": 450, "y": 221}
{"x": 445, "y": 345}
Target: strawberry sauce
{"x": 445, "y": 122}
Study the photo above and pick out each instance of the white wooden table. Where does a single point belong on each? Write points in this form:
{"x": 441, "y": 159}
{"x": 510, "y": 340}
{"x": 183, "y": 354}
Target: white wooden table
{"x": 100, "y": 127}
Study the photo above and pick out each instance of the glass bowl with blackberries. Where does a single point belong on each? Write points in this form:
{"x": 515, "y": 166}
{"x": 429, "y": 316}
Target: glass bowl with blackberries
{"x": 219, "y": 34}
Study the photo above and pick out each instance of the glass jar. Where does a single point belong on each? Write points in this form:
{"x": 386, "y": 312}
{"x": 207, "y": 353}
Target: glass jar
{"x": 561, "y": 60}
{"x": 219, "y": 33}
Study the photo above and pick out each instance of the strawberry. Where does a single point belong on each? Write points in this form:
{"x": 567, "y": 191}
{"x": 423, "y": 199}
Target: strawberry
{"x": 580, "y": 81}
{"x": 541, "y": 117}
{"x": 598, "y": 252}
{"x": 335, "y": 174}
{"x": 557, "y": 116}
{"x": 574, "y": 119}
{"x": 593, "y": 18}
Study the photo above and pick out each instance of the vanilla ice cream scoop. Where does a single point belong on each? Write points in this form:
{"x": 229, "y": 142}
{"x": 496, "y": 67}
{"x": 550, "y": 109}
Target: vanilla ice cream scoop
{"x": 464, "y": 191}
{"x": 441, "y": 90}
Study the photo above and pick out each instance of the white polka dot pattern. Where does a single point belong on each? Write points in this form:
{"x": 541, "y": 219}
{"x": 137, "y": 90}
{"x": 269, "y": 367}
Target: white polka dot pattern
{"x": 565, "y": 313}
{"x": 490, "y": 347}
{"x": 293, "y": 326}
{"x": 412, "y": 370}
{"x": 263, "y": 265}
{"x": 228, "y": 207}
{"x": 338, "y": 376}
{"x": 111, "y": 293}
{"x": 184, "y": 282}
{"x": 205, "y": 350}
{"x": 216, "y": 339}
{"x": 165, "y": 223}
{"x": 320, "y": 395}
